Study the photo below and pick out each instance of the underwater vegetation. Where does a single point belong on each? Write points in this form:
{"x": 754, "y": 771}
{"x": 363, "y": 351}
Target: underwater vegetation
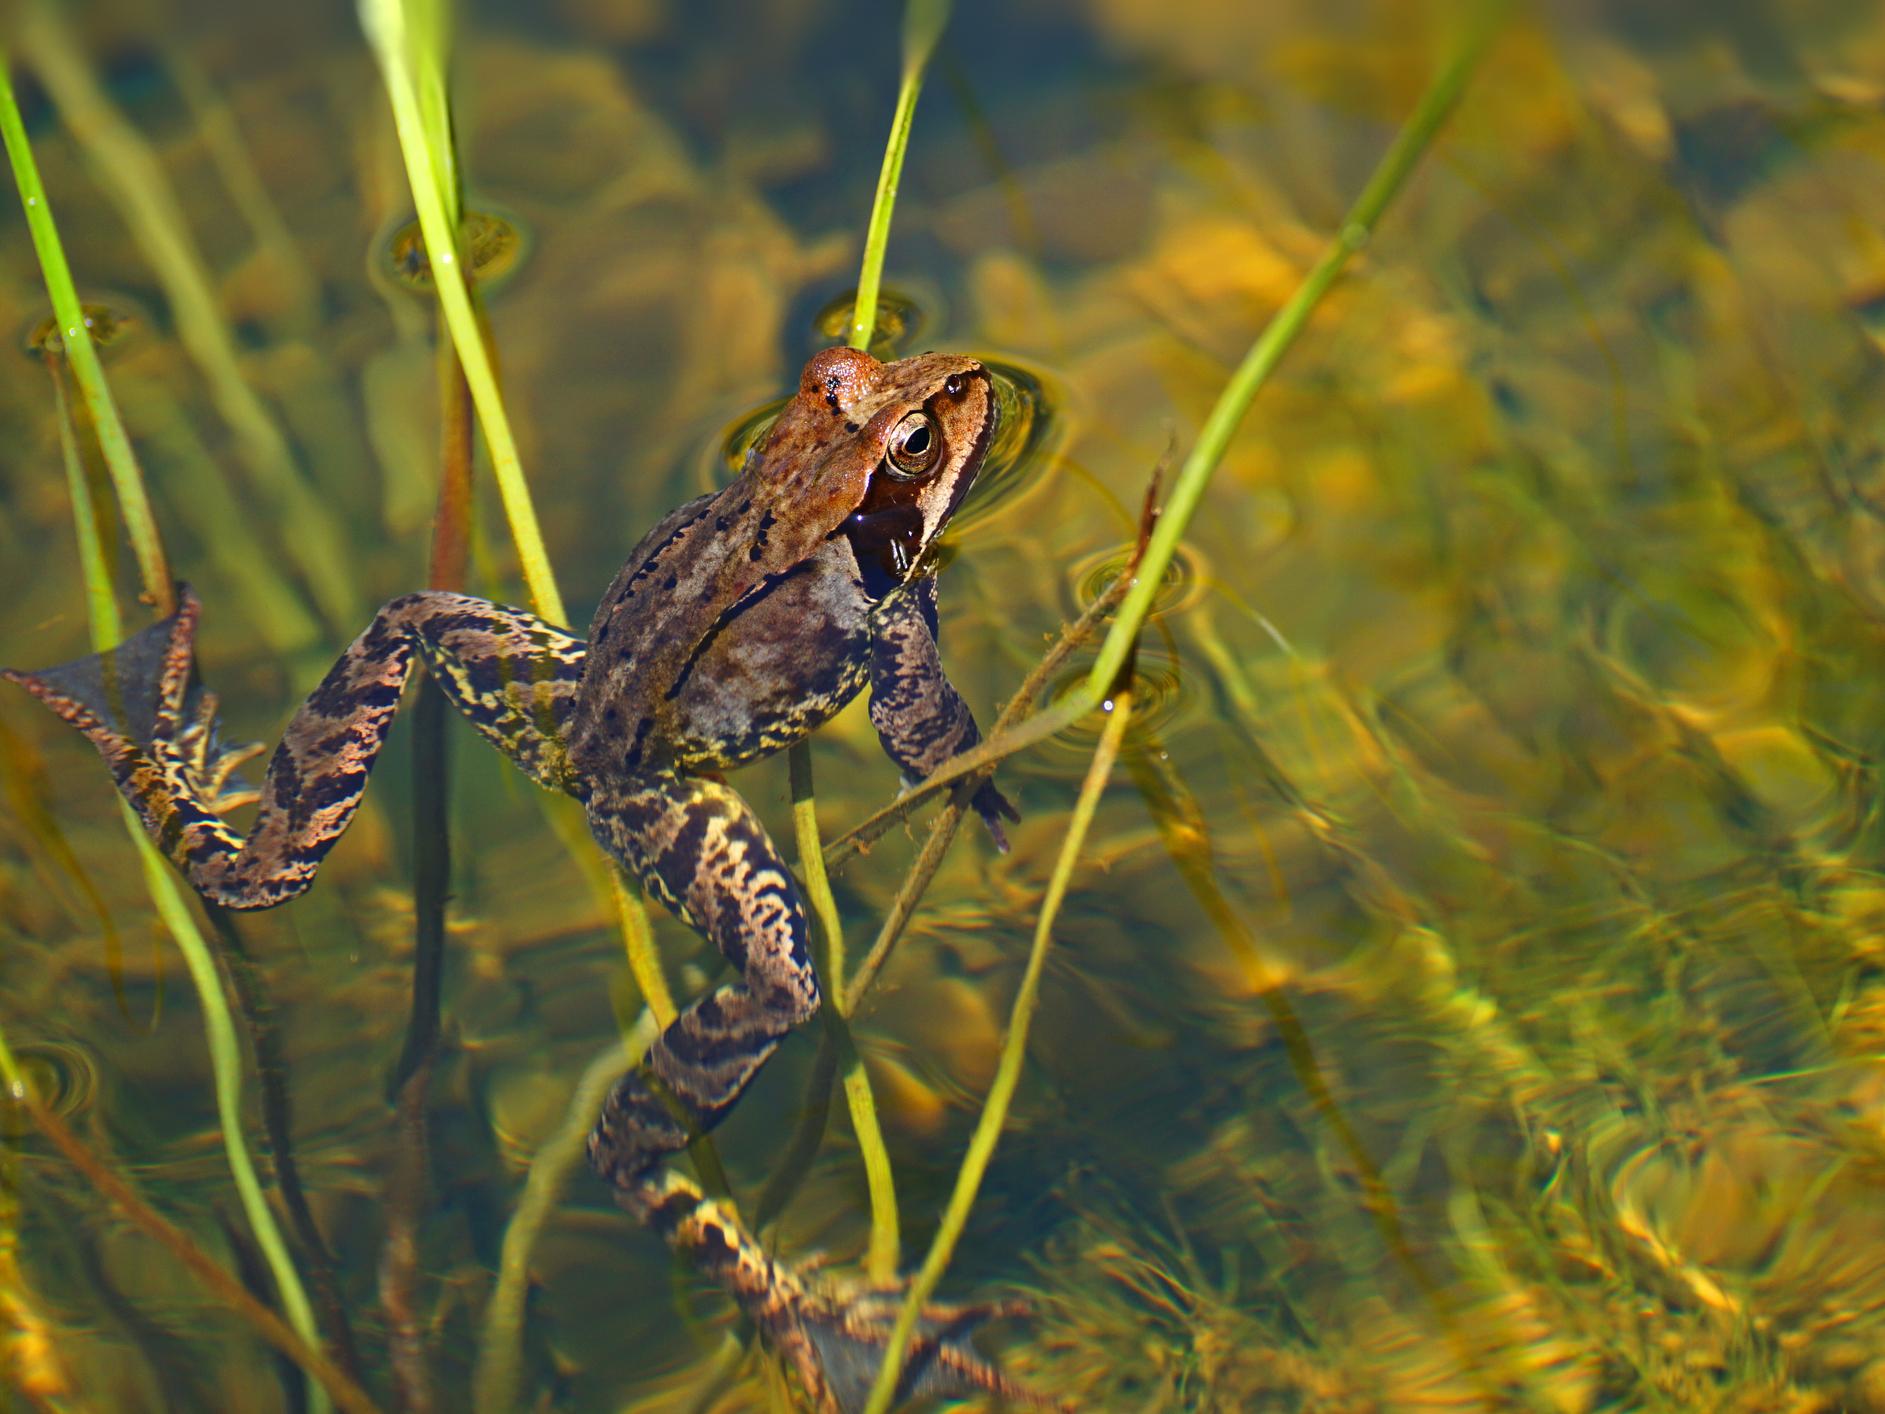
{"x": 1421, "y": 596}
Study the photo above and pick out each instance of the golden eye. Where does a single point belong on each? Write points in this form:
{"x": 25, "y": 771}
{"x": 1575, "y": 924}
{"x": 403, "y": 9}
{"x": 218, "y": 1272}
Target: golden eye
{"x": 914, "y": 447}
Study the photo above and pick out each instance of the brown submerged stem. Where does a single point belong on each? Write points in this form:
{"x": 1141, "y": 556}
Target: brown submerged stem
{"x": 949, "y": 819}
{"x": 257, "y": 1010}
{"x": 431, "y": 887}
{"x": 346, "y": 1394}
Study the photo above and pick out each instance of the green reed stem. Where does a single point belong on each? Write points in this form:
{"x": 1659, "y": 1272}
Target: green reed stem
{"x": 498, "y": 1373}
{"x": 140, "y": 523}
{"x": 133, "y": 179}
{"x": 1357, "y": 228}
{"x": 1188, "y": 491}
{"x": 413, "y": 70}
{"x": 225, "y": 1056}
{"x": 226, "y": 1064}
{"x": 412, "y": 64}
{"x": 1008, "y": 1068}
{"x": 923, "y": 22}
{"x": 101, "y": 604}
{"x": 1214, "y": 439}
{"x": 880, "y": 1259}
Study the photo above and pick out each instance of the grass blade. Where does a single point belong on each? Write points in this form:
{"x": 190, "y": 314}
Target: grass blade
{"x": 225, "y": 1056}
{"x": 126, "y": 478}
{"x": 134, "y": 180}
{"x": 413, "y": 75}
{"x": 1357, "y": 228}
{"x": 923, "y": 22}
{"x": 1008, "y": 1067}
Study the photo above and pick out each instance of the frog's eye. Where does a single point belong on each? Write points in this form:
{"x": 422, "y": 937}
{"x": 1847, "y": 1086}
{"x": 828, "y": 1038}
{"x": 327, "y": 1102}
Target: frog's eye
{"x": 914, "y": 445}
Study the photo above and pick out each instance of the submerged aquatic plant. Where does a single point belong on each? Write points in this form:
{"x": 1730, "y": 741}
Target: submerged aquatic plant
{"x": 1495, "y": 1027}
{"x": 164, "y": 891}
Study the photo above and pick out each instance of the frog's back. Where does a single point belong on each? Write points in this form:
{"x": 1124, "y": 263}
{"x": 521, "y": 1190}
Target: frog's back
{"x": 781, "y": 665}
{"x": 678, "y": 677}
{"x": 640, "y": 625}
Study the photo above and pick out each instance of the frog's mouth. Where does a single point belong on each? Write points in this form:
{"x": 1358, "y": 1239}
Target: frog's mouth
{"x": 887, "y": 544}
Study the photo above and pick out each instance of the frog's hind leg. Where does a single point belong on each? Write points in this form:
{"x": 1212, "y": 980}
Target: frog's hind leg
{"x": 832, "y": 1333}
{"x": 697, "y": 846}
{"x": 144, "y": 708}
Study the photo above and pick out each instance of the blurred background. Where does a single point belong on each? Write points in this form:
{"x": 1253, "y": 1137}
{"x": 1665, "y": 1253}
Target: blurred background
{"x": 1472, "y": 995}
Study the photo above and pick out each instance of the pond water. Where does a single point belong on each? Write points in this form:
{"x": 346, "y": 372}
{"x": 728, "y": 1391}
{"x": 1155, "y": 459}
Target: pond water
{"x": 1471, "y": 994}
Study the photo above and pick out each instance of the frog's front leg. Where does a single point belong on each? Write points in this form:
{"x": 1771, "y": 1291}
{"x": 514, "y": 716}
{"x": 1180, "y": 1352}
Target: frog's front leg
{"x": 144, "y": 708}
{"x": 920, "y": 718}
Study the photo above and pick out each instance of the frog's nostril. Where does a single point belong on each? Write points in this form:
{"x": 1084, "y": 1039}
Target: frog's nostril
{"x": 952, "y": 385}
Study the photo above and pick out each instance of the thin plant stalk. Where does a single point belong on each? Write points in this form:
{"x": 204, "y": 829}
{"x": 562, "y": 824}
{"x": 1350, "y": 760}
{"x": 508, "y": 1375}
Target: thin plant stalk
{"x": 950, "y": 818}
{"x": 644, "y": 961}
{"x": 227, "y": 1067}
{"x": 412, "y": 67}
{"x": 923, "y": 22}
{"x": 225, "y": 1055}
{"x": 133, "y": 179}
{"x": 1008, "y": 1067}
{"x": 1356, "y": 230}
{"x": 332, "y": 1380}
{"x": 82, "y": 353}
{"x": 880, "y": 1260}
{"x": 1214, "y": 439}
{"x": 413, "y": 75}
{"x": 916, "y": 881}
{"x": 497, "y": 1380}
{"x": 1115, "y": 652}
{"x": 101, "y": 605}
{"x": 271, "y": 1075}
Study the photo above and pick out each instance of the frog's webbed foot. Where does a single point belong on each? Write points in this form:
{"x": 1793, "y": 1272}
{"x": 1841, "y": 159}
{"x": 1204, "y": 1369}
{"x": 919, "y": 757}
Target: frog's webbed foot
{"x": 835, "y": 1336}
{"x": 144, "y": 699}
{"x": 832, "y": 1332}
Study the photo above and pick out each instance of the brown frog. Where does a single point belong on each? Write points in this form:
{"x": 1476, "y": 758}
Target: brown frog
{"x": 743, "y": 621}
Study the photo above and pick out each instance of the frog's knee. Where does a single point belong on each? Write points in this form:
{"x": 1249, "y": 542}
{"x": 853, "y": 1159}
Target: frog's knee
{"x": 417, "y": 607}
{"x": 789, "y": 993}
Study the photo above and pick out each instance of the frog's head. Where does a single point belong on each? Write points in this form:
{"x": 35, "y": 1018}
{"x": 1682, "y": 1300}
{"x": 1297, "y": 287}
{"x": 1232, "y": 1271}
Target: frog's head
{"x": 881, "y": 453}
{"x": 918, "y": 430}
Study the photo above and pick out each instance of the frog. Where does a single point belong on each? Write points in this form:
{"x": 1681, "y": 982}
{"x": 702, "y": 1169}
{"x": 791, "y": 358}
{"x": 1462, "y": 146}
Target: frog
{"x": 741, "y": 622}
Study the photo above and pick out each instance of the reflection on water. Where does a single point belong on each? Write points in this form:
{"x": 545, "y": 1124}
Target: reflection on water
{"x": 1471, "y": 997}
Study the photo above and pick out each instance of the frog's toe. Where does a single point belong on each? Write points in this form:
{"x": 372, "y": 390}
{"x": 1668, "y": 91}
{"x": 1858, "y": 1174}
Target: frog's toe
{"x": 994, "y": 807}
{"x": 210, "y": 762}
{"x": 836, "y": 1338}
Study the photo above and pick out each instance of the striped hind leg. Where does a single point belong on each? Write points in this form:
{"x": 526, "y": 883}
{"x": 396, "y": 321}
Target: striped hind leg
{"x": 832, "y": 1333}
{"x": 697, "y": 847}
{"x": 144, "y": 708}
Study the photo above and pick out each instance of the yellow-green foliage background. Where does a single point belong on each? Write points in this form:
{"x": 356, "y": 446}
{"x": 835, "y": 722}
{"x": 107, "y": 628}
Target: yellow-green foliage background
{"x": 1472, "y": 995}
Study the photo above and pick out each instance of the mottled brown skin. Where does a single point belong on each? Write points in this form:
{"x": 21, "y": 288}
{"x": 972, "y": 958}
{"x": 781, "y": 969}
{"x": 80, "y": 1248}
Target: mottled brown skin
{"x": 742, "y": 622}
